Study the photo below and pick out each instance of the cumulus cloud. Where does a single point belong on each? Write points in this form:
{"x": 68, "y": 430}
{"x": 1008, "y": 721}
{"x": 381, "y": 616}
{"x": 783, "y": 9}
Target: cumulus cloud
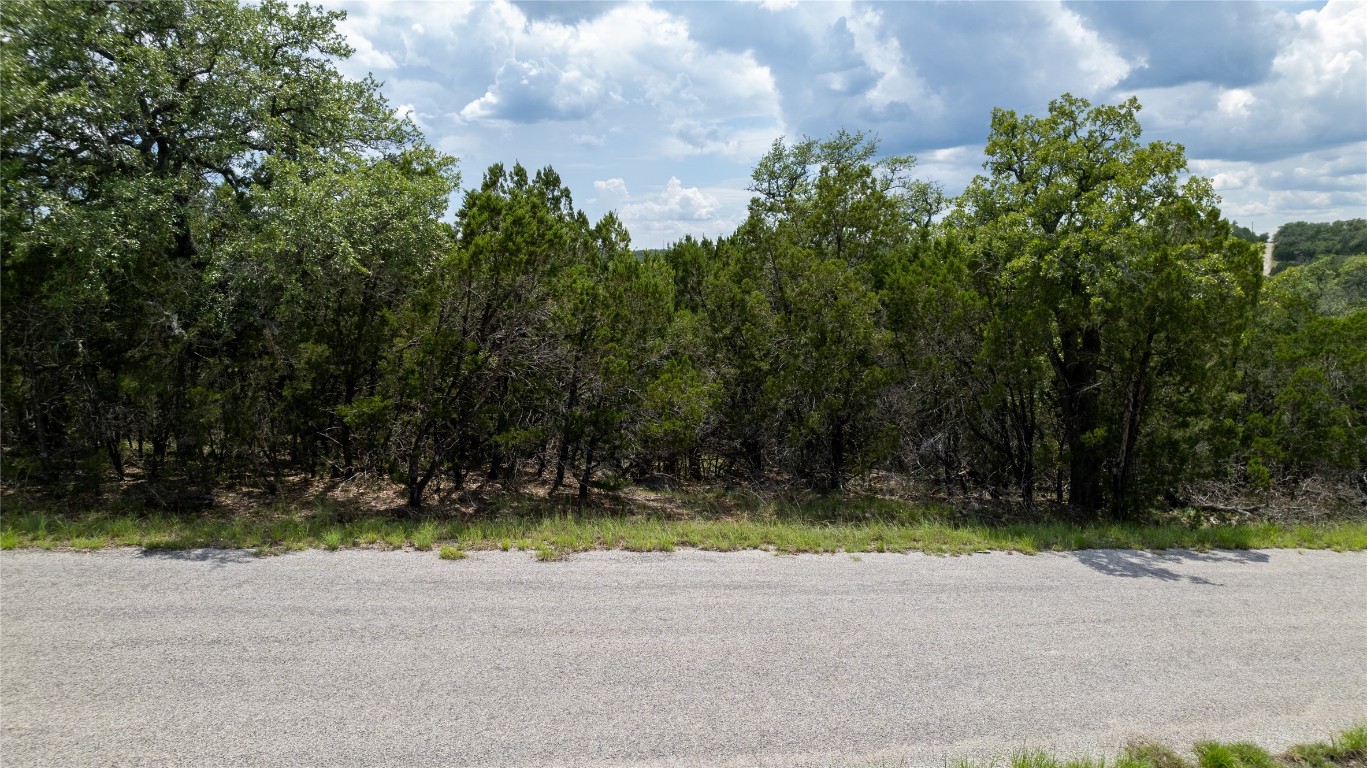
{"x": 407, "y": 112}
{"x": 1270, "y": 99}
{"x": 1096, "y": 60}
{"x": 1320, "y": 185}
{"x": 674, "y": 211}
{"x": 676, "y": 202}
{"x": 1230, "y": 44}
{"x": 896, "y": 81}
{"x": 1326, "y": 54}
{"x": 1314, "y": 94}
{"x": 629, "y": 55}
{"x": 366, "y": 53}
{"x": 529, "y": 92}
{"x": 613, "y": 189}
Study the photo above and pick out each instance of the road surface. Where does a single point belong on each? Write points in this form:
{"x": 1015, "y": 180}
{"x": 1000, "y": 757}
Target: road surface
{"x": 682, "y": 659}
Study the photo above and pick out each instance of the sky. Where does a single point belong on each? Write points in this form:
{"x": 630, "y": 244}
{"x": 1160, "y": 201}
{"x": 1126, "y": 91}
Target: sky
{"x": 659, "y": 110}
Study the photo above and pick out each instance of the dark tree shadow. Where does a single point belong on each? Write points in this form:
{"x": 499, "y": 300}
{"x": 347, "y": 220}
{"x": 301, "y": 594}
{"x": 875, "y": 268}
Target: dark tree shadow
{"x": 218, "y": 558}
{"x": 1139, "y": 564}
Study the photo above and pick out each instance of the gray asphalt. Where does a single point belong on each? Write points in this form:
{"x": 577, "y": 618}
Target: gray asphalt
{"x": 681, "y": 659}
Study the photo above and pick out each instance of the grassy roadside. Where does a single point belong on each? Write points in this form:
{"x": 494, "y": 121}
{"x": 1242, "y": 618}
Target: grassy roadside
{"x": 554, "y": 529}
{"x": 1345, "y": 750}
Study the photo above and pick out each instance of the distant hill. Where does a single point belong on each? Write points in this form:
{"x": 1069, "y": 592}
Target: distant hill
{"x": 1302, "y": 242}
{"x": 1248, "y": 235}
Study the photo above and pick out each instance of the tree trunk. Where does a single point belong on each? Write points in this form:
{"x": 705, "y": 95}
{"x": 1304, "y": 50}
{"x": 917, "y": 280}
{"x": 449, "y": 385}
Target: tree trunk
{"x": 838, "y": 456}
{"x": 418, "y": 485}
{"x": 115, "y": 455}
{"x": 588, "y": 469}
{"x": 1079, "y": 392}
{"x": 753, "y": 452}
{"x": 571, "y": 401}
{"x": 562, "y": 458}
{"x": 1136, "y": 397}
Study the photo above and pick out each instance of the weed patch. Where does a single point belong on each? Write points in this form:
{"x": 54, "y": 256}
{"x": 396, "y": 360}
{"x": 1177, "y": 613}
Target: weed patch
{"x": 556, "y": 527}
{"x": 1345, "y": 750}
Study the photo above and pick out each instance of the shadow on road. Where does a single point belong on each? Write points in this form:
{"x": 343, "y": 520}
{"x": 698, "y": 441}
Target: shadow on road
{"x": 219, "y": 558}
{"x": 1134, "y": 564}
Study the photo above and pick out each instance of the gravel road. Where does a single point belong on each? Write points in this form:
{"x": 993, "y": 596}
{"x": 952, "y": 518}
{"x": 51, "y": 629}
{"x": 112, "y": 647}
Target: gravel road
{"x": 682, "y": 659}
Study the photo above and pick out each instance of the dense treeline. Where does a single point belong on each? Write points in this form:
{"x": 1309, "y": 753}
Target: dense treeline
{"x": 1303, "y": 242}
{"x": 223, "y": 262}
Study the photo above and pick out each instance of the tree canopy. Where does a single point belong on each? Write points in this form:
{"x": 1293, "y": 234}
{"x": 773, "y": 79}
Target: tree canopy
{"x": 1303, "y": 242}
{"x": 226, "y": 263}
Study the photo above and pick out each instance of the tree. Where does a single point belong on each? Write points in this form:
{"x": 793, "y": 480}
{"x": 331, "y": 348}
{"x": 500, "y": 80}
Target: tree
{"x": 479, "y": 335}
{"x": 1143, "y": 291}
{"x": 1248, "y": 235}
{"x": 793, "y": 310}
{"x": 141, "y": 141}
{"x": 1304, "y": 377}
{"x": 1303, "y": 242}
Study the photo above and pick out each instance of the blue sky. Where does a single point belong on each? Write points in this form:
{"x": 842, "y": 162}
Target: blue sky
{"x": 660, "y": 110}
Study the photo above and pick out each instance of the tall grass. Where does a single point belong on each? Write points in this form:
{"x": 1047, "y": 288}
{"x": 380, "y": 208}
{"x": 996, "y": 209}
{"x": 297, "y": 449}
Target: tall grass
{"x": 857, "y": 524}
{"x": 1345, "y": 750}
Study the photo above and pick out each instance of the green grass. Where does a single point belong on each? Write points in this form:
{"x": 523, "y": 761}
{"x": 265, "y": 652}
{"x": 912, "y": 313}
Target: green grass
{"x": 1211, "y": 754}
{"x": 1346, "y": 750}
{"x": 713, "y": 521}
{"x": 425, "y": 536}
{"x": 452, "y": 553}
{"x": 1343, "y": 749}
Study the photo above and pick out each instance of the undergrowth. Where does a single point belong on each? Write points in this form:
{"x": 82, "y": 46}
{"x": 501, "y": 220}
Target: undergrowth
{"x": 556, "y": 528}
{"x": 1345, "y": 750}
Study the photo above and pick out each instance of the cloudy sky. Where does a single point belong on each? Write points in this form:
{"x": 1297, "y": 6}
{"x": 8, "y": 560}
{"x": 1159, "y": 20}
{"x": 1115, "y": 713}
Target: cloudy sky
{"x": 659, "y": 110}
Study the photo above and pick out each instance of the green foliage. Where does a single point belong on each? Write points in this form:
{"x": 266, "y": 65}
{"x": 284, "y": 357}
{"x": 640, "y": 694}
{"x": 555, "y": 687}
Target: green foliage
{"x": 1213, "y": 754}
{"x": 1304, "y": 242}
{"x": 224, "y": 261}
{"x": 1248, "y": 235}
{"x": 1305, "y": 375}
{"x": 189, "y": 187}
{"x": 720, "y": 522}
{"x": 1343, "y": 749}
{"x": 1100, "y": 264}
{"x": 793, "y": 318}
{"x": 1147, "y": 754}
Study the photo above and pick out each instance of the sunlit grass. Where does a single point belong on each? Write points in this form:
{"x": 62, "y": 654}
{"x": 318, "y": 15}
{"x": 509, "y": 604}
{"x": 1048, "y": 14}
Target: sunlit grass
{"x": 1345, "y": 750}
{"x": 855, "y": 524}
{"x": 453, "y": 553}
{"x": 1349, "y": 747}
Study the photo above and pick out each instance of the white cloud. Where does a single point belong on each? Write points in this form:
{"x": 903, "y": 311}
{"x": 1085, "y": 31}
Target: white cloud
{"x": 1327, "y": 54}
{"x": 882, "y": 52}
{"x": 614, "y": 188}
{"x": 951, "y": 167}
{"x": 1236, "y": 102}
{"x": 637, "y": 93}
{"x": 1321, "y": 185}
{"x": 631, "y": 55}
{"x": 666, "y": 216}
{"x": 366, "y": 54}
{"x": 529, "y": 92}
{"x": 407, "y": 112}
{"x": 1314, "y": 96}
{"x": 1097, "y": 61}
{"x": 674, "y": 203}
